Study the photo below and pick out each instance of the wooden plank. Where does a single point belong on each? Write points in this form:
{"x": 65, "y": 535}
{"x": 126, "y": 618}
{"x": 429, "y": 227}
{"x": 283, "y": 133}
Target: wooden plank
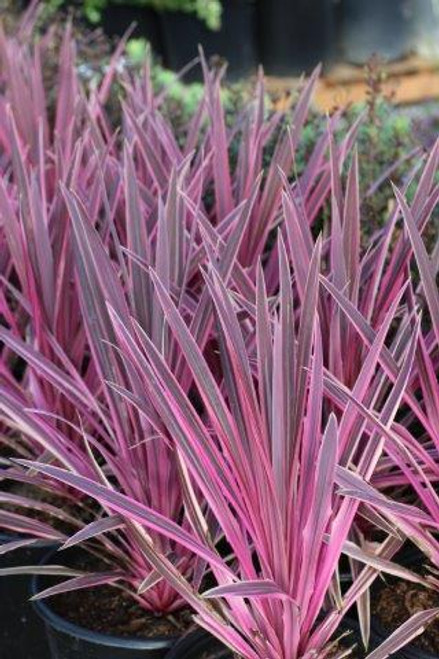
{"x": 410, "y": 81}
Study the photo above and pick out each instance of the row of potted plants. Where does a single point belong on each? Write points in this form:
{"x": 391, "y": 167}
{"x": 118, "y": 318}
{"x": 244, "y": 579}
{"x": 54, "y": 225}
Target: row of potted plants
{"x": 218, "y": 405}
{"x": 287, "y": 37}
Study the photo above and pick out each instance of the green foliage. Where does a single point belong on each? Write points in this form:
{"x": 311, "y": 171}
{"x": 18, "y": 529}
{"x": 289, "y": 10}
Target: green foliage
{"x": 385, "y": 137}
{"x": 93, "y": 9}
{"x": 50, "y": 8}
{"x": 137, "y": 50}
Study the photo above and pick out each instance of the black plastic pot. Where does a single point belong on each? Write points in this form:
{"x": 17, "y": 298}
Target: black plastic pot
{"x": 69, "y": 641}
{"x": 295, "y": 36}
{"x": 199, "y": 644}
{"x": 235, "y": 42}
{"x": 21, "y": 633}
{"x": 389, "y": 28}
{"x": 116, "y": 19}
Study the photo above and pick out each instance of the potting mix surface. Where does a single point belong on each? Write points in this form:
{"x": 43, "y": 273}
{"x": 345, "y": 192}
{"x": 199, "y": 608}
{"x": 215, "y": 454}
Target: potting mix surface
{"x": 108, "y": 610}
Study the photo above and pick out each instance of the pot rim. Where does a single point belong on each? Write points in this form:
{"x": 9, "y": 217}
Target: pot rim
{"x": 97, "y": 638}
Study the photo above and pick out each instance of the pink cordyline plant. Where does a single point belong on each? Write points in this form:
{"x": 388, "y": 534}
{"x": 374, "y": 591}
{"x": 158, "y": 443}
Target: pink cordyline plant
{"x": 41, "y": 153}
{"x": 202, "y": 401}
{"x": 358, "y": 290}
{"x": 79, "y": 150}
{"x": 115, "y": 231}
{"x": 419, "y": 464}
{"x": 353, "y": 313}
{"x": 135, "y": 459}
{"x": 356, "y": 294}
{"x": 262, "y": 466}
{"x": 123, "y": 188}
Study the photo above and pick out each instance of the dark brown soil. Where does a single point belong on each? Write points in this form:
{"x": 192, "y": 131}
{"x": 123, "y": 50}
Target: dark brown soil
{"x": 104, "y": 609}
{"x": 397, "y": 601}
{"x": 109, "y": 610}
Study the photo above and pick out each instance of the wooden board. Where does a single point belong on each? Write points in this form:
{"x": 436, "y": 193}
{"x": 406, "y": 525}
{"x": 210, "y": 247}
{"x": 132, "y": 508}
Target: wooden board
{"x": 410, "y": 81}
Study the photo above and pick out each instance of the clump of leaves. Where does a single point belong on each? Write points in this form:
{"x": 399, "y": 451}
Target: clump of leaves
{"x": 86, "y": 213}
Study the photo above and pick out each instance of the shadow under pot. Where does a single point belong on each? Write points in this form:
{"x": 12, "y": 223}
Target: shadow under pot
{"x": 69, "y": 640}
{"x": 21, "y": 633}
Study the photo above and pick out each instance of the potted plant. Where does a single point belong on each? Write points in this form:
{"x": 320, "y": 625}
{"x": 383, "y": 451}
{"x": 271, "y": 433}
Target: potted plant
{"x": 64, "y": 370}
{"x": 56, "y": 383}
{"x": 135, "y": 460}
{"x": 295, "y": 37}
{"x": 42, "y": 312}
{"x": 230, "y": 427}
{"x": 387, "y": 614}
{"x": 256, "y": 459}
{"x": 157, "y": 379}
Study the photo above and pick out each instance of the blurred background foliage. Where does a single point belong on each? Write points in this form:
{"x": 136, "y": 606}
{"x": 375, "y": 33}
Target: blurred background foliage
{"x": 208, "y": 11}
{"x": 388, "y": 134}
